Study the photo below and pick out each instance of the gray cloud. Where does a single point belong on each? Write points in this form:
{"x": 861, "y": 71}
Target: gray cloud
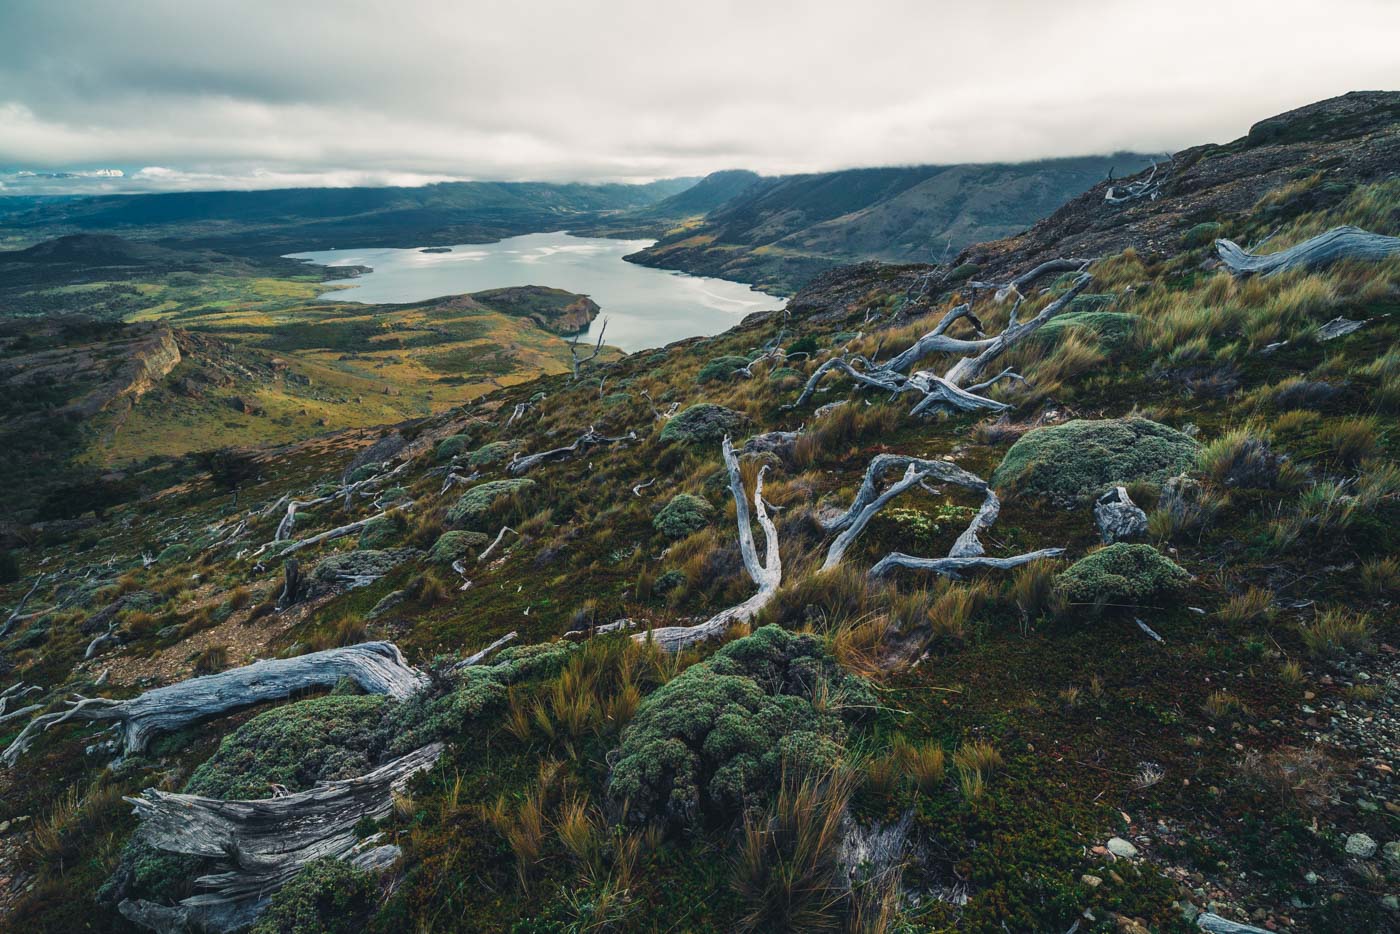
{"x": 262, "y": 94}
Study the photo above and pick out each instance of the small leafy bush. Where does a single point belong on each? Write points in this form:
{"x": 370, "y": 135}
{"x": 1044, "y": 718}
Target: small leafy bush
{"x": 451, "y": 546}
{"x": 452, "y": 446}
{"x": 492, "y": 453}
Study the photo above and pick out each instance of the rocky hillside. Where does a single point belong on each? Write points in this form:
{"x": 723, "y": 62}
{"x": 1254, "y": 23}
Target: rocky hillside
{"x": 1021, "y": 597}
{"x": 779, "y": 232}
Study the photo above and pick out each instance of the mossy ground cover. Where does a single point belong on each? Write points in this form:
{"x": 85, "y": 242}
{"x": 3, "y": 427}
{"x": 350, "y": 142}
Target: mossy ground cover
{"x": 1100, "y": 730}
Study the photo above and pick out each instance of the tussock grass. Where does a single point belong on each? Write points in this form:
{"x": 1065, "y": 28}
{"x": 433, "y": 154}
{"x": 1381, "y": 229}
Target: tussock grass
{"x": 1336, "y": 633}
{"x": 1251, "y": 608}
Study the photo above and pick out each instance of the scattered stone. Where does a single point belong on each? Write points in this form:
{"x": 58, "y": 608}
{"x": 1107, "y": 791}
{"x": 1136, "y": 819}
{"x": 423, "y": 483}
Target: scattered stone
{"x": 1361, "y": 846}
{"x": 1092, "y": 882}
{"x": 1118, "y": 518}
{"x": 1124, "y": 850}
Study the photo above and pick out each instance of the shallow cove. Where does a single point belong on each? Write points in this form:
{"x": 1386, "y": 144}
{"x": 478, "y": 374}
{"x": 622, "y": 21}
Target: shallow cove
{"x": 645, "y": 307}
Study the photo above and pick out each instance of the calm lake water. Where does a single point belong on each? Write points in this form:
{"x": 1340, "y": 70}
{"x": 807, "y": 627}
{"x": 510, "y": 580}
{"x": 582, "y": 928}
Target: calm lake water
{"x": 644, "y": 307}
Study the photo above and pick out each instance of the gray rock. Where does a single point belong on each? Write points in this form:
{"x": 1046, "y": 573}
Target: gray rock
{"x": 1121, "y": 848}
{"x": 1361, "y": 846}
{"x": 1118, "y": 518}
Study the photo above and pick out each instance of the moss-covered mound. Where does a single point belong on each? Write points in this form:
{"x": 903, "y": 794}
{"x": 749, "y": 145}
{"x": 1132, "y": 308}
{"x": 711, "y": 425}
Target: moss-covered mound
{"x": 327, "y": 897}
{"x": 1075, "y": 462}
{"x": 703, "y": 423}
{"x": 295, "y": 746}
{"x": 1121, "y": 575}
{"x": 716, "y": 737}
{"x": 474, "y": 505}
{"x": 682, "y": 515}
{"x": 457, "y": 544}
{"x": 380, "y": 533}
{"x": 1110, "y": 327}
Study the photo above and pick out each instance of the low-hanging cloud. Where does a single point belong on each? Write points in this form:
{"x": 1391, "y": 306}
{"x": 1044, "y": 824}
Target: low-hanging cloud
{"x": 269, "y": 94}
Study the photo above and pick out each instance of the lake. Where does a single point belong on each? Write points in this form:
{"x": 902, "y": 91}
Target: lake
{"x": 644, "y": 307}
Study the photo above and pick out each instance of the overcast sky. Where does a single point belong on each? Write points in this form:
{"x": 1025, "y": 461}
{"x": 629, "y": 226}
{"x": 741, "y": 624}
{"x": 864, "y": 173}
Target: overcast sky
{"x": 267, "y": 94}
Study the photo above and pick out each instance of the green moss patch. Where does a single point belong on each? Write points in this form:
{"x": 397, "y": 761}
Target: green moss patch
{"x": 475, "y": 504}
{"x": 682, "y": 515}
{"x": 703, "y": 423}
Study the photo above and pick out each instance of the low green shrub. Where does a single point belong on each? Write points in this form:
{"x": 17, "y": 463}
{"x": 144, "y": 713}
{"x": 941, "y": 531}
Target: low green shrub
{"x": 475, "y": 504}
{"x": 720, "y": 368}
{"x": 682, "y": 515}
{"x": 451, "y": 546}
{"x": 492, "y": 453}
{"x": 328, "y": 896}
{"x": 295, "y": 746}
{"x": 716, "y": 738}
{"x": 703, "y": 423}
{"x": 1075, "y": 462}
{"x": 1120, "y": 574}
{"x": 452, "y": 446}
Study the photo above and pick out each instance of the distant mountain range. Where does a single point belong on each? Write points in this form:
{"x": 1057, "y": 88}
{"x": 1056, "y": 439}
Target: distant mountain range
{"x": 775, "y": 232}
{"x": 779, "y": 232}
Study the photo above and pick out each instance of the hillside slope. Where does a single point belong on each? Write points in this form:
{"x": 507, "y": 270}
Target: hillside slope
{"x": 934, "y": 699}
{"x": 779, "y": 232}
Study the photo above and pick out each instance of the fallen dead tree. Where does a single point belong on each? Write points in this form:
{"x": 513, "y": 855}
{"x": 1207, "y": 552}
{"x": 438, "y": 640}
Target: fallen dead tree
{"x": 1015, "y": 285}
{"x": 1337, "y": 244}
{"x": 263, "y": 843}
{"x": 1148, "y": 188}
{"x": 949, "y": 391}
{"x": 377, "y": 667}
{"x": 766, "y": 573}
{"x": 588, "y": 439}
{"x": 967, "y": 552}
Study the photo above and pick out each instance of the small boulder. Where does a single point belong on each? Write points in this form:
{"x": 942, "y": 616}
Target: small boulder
{"x": 1118, "y": 518}
{"x": 1121, "y": 848}
{"x": 1361, "y": 846}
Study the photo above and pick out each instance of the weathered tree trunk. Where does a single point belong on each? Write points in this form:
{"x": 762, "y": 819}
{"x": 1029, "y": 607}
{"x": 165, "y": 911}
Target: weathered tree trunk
{"x": 1214, "y": 924}
{"x": 767, "y": 574}
{"x": 377, "y": 667}
{"x": 263, "y": 842}
{"x": 969, "y": 368}
{"x": 882, "y": 464}
{"x": 954, "y": 567}
{"x": 1339, "y": 243}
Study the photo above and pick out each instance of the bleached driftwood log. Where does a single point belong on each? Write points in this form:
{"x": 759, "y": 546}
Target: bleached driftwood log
{"x": 588, "y": 439}
{"x": 1214, "y": 924}
{"x": 263, "y": 843}
{"x": 14, "y": 616}
{"x": 969, "y": 368}
{"x": 857, "y": 523}
{"x": 954, "y": 567}
{"x": 1339, "y": 243}
{"x": 1014, "y": 287}
{"x": 476, "y": 658}
{"x": 766, "y": 573}
{"x": 377, "y": 667}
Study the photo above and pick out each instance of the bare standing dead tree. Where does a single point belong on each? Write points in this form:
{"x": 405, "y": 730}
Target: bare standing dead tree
{"x": 578, "y": 361}
{"x": 767, "y": 572}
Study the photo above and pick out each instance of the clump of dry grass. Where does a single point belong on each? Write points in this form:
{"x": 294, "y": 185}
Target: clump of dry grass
{"x": 1337, "y": 632}
{"x": 211, "y": 660}
{"x": 1220, "y": 704}
{"x": 1250, "y": 608}
{"x": 1352, "y": 440}
{"x": 1032, "y": 590}
{"x": 924, "y": 763}
{"x": 786, "y": 870}
{"x": 976, "y": 761}
{"x": 1381, "y": 576}
{"x": 1302, "y": 778}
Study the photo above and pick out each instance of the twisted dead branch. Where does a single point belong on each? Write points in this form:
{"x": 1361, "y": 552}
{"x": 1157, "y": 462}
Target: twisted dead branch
{"x": 1339, "y": 243}
{"x": 588, "y": 439}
